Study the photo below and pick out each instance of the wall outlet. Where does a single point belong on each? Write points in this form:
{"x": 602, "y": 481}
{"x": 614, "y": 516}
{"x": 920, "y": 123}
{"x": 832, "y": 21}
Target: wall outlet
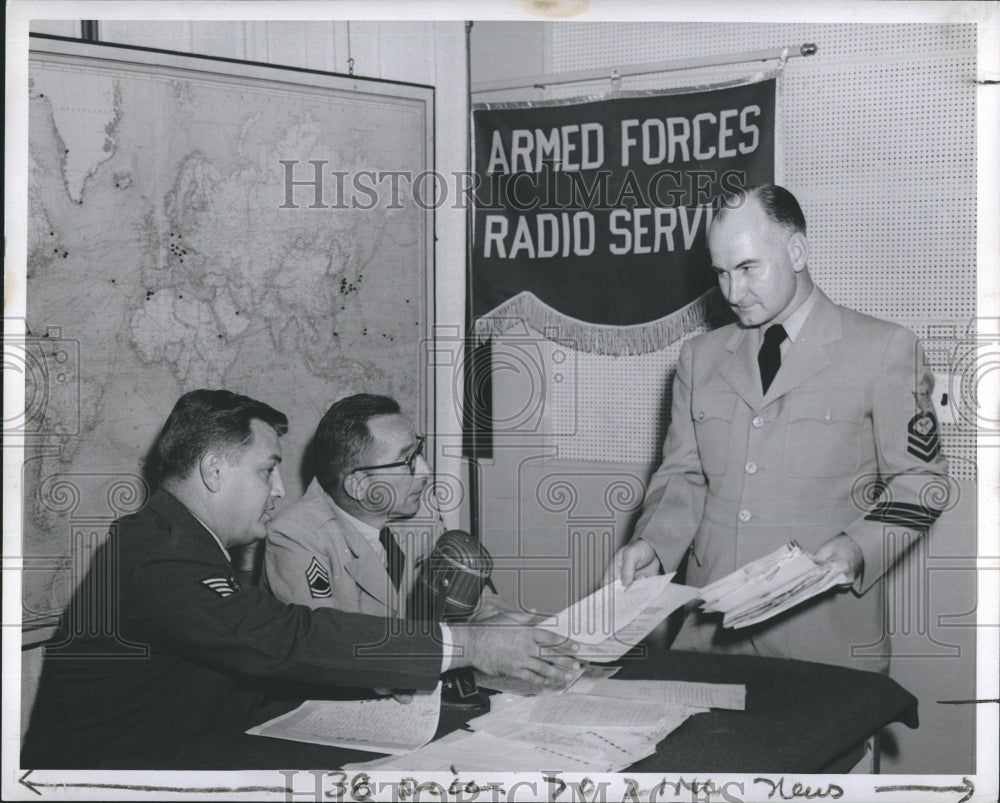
{"x": 947, "y": 396}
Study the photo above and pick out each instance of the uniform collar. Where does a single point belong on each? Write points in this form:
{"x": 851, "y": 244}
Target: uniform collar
{"x": 796, "y": 320}
{"x": 367, "y": 531}
{"x": 166, "y": 504}
{"x": 224, "y": 550}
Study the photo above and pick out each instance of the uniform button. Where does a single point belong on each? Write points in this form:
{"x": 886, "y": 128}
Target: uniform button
{"x": 757, "y": 422}
{"x": 701, "y": 416}
{"x": 827, "y": 416}
{"x": 751, "y": 468}
{"x": 744, "y": 516}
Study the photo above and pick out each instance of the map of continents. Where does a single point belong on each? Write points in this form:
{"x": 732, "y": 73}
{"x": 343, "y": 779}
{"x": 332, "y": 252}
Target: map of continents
{"x": 159, "y": 250}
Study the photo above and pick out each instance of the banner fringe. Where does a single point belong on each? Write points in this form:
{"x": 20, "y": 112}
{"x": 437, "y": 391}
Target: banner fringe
{"x": 527, "y": 309}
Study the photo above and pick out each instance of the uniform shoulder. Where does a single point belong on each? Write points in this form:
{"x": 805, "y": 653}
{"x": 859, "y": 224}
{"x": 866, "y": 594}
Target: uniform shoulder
{"x": 148, "y": 523}
{"x": 714, "y": 339}
{"x": 862, "y": 326}
{"x": 310, "y": 513}
{"x": 154, "y": 530}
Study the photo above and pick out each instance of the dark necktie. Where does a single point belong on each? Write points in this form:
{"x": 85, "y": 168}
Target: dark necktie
{"x": 769, "y": 356}
{"x": 394, "y": 556}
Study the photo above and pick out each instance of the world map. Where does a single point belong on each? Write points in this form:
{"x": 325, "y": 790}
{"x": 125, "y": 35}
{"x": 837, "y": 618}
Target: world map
{"x": 166, "y": 254}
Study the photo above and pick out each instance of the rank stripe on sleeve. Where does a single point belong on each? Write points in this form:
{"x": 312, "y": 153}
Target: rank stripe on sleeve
{"x": 318, "y": 580}
{"x": 223, "y": 586}
{"x": 922, "y": 437}
{"x": 903, "y": 514}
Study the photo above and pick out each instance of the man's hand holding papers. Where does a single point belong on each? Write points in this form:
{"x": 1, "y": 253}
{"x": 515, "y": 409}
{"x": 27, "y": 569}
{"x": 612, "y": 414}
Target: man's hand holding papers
{"x": 769, "y": 585}
{"x": 633, "y": 562}
{"x": 515, "y": 649}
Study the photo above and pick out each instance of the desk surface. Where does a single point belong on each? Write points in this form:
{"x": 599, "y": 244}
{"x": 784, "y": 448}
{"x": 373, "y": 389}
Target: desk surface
{"x": 799, "y": 717}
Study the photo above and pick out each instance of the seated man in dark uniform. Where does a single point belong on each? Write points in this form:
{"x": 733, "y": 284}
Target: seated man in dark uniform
{"x": 189, "y": 649}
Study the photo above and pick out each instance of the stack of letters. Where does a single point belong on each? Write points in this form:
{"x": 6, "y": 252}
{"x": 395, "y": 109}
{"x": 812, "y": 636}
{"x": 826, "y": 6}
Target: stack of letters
{"x": 769, "y": 585}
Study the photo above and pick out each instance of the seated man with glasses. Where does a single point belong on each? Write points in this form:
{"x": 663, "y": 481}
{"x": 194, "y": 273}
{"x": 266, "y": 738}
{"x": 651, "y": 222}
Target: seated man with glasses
{"x": 354, "y": 539}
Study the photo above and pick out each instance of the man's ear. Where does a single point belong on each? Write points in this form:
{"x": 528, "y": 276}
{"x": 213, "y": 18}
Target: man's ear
{"x": 798, "y": 251}
{"x": 210, "y": 470}
{"x": 356, "y": 485}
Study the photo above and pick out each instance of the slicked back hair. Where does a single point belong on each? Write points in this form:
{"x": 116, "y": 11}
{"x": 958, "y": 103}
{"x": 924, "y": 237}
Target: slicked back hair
{"x": 778, "y": 204}
{"x": 205, "y": 420}
{"x": 343, "y": 438}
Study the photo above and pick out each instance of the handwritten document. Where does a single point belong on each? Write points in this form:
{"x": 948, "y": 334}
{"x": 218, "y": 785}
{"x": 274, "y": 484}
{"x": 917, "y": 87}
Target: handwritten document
{"x": 669, "y": 692}
{"x": 612, "y": 620}
{"x": 483, "y": 752}
{"x": 382, "y": 726}
{"x": 506, "y": 739}
{"x": 769, "y": 585}
{"x": 592, "y": 712}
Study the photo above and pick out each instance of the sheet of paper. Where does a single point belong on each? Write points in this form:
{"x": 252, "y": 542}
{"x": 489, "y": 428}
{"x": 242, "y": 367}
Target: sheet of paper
{"x": 649, "y": 602}
{"x": 591, "y": 711}
{"x": 382, "y": 726}
{"x": 670, "y": 692}
{"x": 532, "y": 732}
{"x": 592, "y": 619}
{"x": 483, "y": 751}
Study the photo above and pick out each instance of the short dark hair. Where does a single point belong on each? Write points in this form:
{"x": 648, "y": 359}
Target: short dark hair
{"x": 209, "y": 419}
{"x": 343, "y": 438}
{"x": 777, "y": 202}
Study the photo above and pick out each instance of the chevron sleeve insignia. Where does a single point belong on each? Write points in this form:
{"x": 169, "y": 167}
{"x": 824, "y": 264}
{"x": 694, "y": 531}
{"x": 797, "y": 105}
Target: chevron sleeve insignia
{"x": 223, "y": 586}
{"x": 922, "y": 437}
{"x": 318, "y": 580}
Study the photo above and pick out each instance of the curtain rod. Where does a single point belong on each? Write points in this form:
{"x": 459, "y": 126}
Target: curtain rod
{"x": 649, "y": 68}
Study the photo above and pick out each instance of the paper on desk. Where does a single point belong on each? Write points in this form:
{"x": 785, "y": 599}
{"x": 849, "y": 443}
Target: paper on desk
{"x": 614, "y": 619}
{"x": 669, "y": 692}
{"x": 580, "y": 734}
{"x": 382, "y": 726}
{"x": 481, "y": 751}
{"x": 603, "y": 746}
{"x": 592, "y": 711}
{"x": 511, "y": 745}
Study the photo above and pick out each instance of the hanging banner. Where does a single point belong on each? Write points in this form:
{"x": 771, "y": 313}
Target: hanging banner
{"x": 590, "y": 216}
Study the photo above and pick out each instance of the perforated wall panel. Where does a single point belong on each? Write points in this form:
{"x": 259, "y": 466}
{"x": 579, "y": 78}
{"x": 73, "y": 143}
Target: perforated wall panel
{"x": 877, "y": 140}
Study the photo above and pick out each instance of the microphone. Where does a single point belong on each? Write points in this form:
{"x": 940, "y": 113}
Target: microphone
{"x": 450, "y": 580}
{"x": 448, "y": 587}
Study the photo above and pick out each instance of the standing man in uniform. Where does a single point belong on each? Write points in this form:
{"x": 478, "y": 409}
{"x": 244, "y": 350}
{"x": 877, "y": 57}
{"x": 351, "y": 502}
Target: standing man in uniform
{"x": 804, "y": 421}
{"x": 188, "y": 648}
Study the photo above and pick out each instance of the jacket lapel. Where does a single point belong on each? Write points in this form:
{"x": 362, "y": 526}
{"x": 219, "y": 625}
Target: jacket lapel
{"x": 740, "y": 370}
{"x": 806, "y": 357}
{"x": 366, "y": 569}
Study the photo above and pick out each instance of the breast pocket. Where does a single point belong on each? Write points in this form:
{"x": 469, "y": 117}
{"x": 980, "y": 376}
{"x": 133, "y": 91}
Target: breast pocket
{"x": 824, "y": 432}
{"x": 712, "y": 413}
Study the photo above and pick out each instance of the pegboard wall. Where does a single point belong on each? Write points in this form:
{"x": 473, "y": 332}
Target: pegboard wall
{"x": 876, "y": 137}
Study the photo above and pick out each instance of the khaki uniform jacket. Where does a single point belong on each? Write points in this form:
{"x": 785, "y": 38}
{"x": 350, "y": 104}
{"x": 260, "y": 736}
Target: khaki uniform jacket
{"x": 844, "y": 441}
{"x": 316, "y": 556}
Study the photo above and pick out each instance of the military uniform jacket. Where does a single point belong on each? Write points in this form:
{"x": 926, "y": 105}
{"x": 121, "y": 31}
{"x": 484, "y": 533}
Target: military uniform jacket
{"x": 191, "y": 647}
{"x": 317, "y": 556}
{"x": 845, "y": 440}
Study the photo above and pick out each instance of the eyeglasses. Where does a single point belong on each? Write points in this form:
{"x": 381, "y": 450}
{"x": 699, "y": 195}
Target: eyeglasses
{"x": 410, "y": 462}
